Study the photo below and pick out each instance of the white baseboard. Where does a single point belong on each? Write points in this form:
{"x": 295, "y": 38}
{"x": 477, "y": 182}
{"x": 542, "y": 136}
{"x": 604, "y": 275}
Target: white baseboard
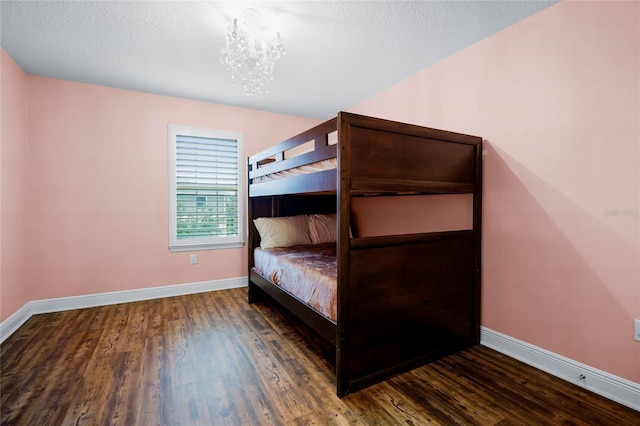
{"x": 11, "y": 324}
{"x": 597, "y": 381}
{"x": 34, "y": 307}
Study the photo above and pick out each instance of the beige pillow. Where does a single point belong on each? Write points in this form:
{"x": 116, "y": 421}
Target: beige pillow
{"x": 322, "y": 228}
{"x": 283, "y": 231}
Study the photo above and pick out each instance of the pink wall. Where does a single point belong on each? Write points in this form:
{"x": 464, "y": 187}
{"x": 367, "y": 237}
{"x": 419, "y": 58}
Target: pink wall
{"x": 556, "y": 99}
{"x": 13, "y": 186}
{"x": 97, "y": 213}
{"x": 411, "y": 214}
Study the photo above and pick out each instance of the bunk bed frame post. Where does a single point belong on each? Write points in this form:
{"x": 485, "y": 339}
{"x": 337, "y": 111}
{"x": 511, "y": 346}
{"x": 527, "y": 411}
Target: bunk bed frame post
{"x": 343, "y": 248}
{"x": 252, "y": 292}
{"x": 477, "y": 228}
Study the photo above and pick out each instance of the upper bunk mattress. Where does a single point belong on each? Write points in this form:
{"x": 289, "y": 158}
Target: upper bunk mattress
{"x": 307, "y": 272}
{"x": 318, "y": 166}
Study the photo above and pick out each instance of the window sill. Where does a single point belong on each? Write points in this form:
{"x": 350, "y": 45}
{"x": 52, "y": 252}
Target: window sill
{"x": 208, "y": 246}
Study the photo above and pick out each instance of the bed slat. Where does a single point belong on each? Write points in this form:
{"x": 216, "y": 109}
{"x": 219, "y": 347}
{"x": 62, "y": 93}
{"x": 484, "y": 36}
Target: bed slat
{"x": 316, "y": 182}
{"x": 366, "y": 185}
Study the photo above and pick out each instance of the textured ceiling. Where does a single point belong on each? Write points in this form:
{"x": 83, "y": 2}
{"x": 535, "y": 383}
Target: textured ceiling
{"x": 338, "y": 52}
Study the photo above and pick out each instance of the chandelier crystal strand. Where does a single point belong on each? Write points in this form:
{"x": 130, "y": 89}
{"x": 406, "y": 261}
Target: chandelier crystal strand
{"x": 250, "y": 65}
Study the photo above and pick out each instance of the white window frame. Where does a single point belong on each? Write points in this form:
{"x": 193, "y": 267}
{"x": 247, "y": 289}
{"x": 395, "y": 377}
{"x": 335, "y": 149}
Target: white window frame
{"x": 193, "y": 244}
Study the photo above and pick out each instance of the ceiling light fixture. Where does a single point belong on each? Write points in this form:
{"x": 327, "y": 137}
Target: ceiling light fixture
{"x": 250, "y": 65}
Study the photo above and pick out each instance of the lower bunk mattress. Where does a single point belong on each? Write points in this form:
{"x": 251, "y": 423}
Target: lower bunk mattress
{"x": 307, "y": 272}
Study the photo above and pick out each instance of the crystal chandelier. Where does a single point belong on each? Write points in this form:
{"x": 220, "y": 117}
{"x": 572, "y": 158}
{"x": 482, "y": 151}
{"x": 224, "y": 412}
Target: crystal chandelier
{"x": 250, "y": 65}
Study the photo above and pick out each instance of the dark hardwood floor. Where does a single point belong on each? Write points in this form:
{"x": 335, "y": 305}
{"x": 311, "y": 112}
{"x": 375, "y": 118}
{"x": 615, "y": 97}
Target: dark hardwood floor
{"x": 212, "y": 359}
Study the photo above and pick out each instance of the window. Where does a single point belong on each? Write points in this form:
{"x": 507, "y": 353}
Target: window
{"x": 206, "y": 189}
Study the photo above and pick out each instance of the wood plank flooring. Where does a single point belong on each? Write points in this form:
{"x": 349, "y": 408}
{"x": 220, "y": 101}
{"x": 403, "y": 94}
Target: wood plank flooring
{"x": 212, "y": 359}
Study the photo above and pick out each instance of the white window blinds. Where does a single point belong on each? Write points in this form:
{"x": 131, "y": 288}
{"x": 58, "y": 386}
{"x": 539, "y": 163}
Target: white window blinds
{"x": 207, "y": 188}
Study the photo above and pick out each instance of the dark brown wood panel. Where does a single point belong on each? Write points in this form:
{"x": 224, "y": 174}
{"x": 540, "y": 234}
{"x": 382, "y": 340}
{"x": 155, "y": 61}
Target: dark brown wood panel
{"x": 407, "y": 303}
{"x": 366, "y": 122}
{"x": 212, "y": 359}
{"x": 368, "y": 185}
{"x": 316, "y": 182}
{"x": 382, "y": 155}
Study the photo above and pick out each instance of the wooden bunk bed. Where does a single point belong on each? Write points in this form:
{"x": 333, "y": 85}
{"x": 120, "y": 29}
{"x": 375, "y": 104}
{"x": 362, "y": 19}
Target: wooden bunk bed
{"x": 402, "y": 300}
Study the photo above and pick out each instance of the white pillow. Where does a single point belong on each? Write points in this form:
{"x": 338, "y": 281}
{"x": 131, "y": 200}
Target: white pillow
{"x": 322, "y": 228}
{"x": 283, "y": 231}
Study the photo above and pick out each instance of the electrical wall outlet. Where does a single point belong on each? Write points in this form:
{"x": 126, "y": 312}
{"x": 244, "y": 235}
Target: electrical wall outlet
{"x": 193, "y": 259}
{"x": 636, "y": 330}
